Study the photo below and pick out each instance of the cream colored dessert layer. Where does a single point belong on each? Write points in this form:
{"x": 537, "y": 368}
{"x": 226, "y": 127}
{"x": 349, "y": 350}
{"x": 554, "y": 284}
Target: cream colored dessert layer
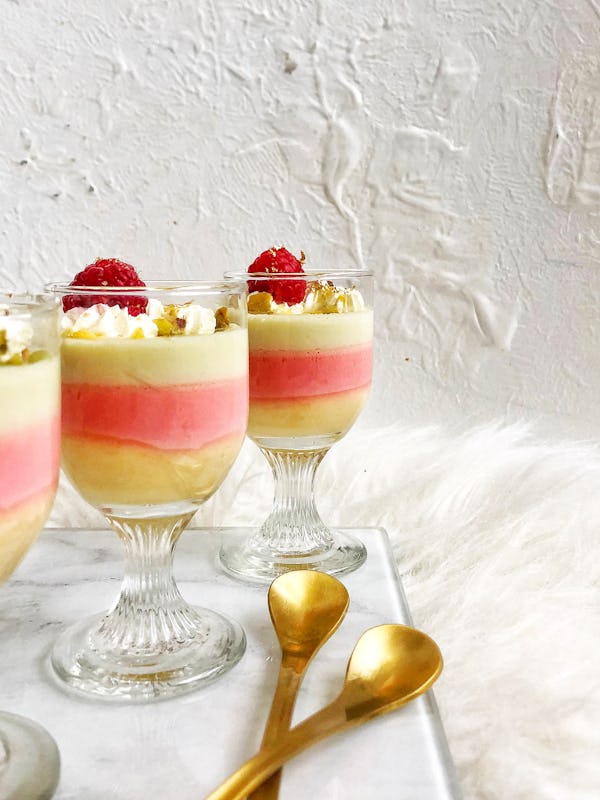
{"x": 29, "y": 394}
{"x": 162, "y": 361}
{"x": 109, "y": 473}
{"x": 309, "y": 331}
{"x": 329, "y": 415}
{"x": 19, "y": 526}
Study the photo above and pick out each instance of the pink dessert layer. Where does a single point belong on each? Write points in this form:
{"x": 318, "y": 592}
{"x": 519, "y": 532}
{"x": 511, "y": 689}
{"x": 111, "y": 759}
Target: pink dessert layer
{"x": 167, "y": 417}
{"x": 29, "y": 461}
{"x": 307, "y": 373}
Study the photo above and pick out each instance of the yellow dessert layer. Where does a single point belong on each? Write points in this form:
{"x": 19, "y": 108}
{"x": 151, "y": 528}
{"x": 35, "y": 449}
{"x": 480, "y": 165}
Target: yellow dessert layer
{"x": 106, "y": 472}
{"x": 19, "y": 526}
{"x": 29, "y": 394}
{"x": 309, "y": 331}
{"x": 329, "y": 415}
{"x": 163, "y": 361}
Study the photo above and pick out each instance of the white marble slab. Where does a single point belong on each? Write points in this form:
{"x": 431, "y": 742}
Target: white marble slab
{"x": 183, "y": 748}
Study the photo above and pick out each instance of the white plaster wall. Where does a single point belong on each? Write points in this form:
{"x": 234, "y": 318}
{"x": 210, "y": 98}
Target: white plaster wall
{"x": 452, "y": 145}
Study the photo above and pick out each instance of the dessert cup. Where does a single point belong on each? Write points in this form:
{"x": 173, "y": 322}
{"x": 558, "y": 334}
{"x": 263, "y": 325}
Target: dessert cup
{"x": 155, "y": 408}
{"x": 310, "y": 373}
{"x": 29, "y": 449}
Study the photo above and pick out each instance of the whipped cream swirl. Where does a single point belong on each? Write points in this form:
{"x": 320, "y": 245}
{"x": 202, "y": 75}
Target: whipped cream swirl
{"x": 16, "y": 335}
{"x": 110, "y": 322}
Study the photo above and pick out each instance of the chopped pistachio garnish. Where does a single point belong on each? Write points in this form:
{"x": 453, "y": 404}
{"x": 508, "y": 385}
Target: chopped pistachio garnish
{"x": 163, "y": 326}
{"x": 259, "y": 302}
{"x": 222, "y": 318}
{"x": 322, "y": 297}
{"x": 25, "y": 357}
{"x": 81, "y": 335}
{"x": 38, "y": 355}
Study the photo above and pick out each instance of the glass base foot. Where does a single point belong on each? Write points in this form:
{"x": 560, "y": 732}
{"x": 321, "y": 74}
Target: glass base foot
{"x": 84, "y": 663}
{"x": 248, "y": 559}
{"x": 29, "y": 760}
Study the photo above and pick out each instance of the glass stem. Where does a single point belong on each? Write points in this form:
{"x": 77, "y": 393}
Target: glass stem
{"x": 294, "y": 526}
{"x": 149, "y": 612}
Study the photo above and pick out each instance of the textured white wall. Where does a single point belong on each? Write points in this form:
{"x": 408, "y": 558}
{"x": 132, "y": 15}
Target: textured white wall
{"x": 453, "y": 145}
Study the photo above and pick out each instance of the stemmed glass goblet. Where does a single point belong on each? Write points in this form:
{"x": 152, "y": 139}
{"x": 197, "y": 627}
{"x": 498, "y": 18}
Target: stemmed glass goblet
{"x": 154, "y": 412}
{"x": 29, "y": 461}
{"x": 310, "y": 374}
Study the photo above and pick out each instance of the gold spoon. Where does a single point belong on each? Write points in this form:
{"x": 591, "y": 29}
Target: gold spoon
{"x": 390, "y": 665}
{"x": 306, "y": 608}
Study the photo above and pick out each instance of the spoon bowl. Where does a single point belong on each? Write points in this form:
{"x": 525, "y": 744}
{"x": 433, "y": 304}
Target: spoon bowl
{"x": 390, "y": 666}
{"x": 306, "y": 608}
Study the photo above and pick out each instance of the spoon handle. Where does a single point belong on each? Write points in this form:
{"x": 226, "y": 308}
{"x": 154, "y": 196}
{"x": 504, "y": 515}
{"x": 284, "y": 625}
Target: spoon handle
{"x": 253, "y": 772}
{"x": 278, "y": 723}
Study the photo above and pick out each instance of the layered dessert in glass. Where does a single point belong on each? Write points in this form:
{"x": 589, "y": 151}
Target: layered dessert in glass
{"x": 155, "y": 405}
{"x": 311, "y": 354}
{"x": 29, "y": 461}
{"x": 29, "y": 423}
{"x": 153, "y": 413}
{"x": 310, "y": 364}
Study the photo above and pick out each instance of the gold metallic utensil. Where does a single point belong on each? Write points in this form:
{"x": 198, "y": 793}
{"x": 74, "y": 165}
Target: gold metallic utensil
{"x": 306, "y": 608}
{"x": 390, "y": 665}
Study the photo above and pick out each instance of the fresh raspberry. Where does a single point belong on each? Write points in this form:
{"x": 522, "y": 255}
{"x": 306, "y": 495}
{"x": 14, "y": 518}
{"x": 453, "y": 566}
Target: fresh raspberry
{"x": 107, "y": 272}
{"x": 278, "y": 260}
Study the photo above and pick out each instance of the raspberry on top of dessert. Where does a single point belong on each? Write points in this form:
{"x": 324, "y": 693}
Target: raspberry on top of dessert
{"x": 109, "y": 272}
{"x": 278, "y": 261}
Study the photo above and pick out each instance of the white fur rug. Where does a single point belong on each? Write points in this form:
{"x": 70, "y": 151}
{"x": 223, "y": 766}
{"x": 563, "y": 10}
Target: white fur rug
{"x": 497, "y": 536}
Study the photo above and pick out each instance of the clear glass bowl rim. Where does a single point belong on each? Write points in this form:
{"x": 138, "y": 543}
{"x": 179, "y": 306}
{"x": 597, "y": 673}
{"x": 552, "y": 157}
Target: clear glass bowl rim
{"x": 24, "y": 305}
{"x": 173, "y": 288}
{"x": 311, "y": 274}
